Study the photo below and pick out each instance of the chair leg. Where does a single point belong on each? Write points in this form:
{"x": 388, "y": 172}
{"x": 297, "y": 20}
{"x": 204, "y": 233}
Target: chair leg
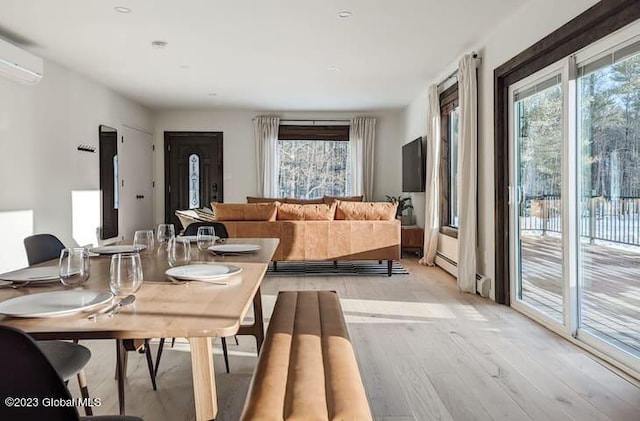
{"x": 147, "y": 351}
{"x": 173, "y": 342}
{"x": 84, "y": 392}
{"x": 275, "y": 266}
{"x": 158, "y": 355}
{"x": 236, "y": 338}
{"x": 335, "y": 264}
{"x": 389, "y": 267}
{"x": 120, "y": 371}
{"x": 225, "y": 353}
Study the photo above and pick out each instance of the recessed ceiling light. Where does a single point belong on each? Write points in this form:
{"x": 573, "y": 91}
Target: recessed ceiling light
{"x": 212, "y": 94}
{"x": 121, "y": 9}
{"x": 333, "y": 69}
{"x": 344, "y": 15}
{"x": 159, "y": 45}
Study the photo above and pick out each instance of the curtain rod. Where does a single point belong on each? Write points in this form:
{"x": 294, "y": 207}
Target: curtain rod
{"x": 454, "y": 74}
{"x": 315, "y": 120}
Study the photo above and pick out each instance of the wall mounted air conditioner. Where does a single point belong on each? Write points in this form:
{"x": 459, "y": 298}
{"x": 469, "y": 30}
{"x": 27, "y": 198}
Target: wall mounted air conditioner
{"x": 19, "y": 65}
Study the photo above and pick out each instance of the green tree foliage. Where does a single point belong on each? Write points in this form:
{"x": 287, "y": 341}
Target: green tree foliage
{"x": 609, "y": 134}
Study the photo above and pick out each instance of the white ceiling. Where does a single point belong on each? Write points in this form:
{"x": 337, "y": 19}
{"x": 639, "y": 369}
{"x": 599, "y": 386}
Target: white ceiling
{"x": 256, "y": 54}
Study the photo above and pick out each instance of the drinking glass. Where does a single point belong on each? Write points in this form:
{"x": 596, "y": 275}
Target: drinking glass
{"x": 206, "y": 237}
{"x": 165, "y": 233}
{"x": 178, "y": 252}
{"x": 125, "y": 273}
{"x": 74, "y": 266}
{"x": 144, "y": 241}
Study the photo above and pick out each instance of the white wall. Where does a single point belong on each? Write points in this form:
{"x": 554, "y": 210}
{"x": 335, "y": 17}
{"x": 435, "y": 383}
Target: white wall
{"x": 239, "y": 150}
{"x": 40, "y": 129}
{"x": 533, "y": 21}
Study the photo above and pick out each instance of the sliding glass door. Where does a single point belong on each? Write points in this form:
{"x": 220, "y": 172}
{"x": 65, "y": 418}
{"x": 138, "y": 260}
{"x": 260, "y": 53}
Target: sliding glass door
{"x": 575, "y": 196}
{"x": 608, "y": 99}
{"x": 536, "y": 194}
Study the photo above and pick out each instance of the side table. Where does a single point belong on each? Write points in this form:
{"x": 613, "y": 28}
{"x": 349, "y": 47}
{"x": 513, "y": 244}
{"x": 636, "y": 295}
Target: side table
{"x": 412, "y": 237}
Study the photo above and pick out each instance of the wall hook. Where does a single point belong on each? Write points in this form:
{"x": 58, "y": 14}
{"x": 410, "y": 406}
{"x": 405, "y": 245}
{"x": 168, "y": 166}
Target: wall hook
{"x": 87, "y": 148}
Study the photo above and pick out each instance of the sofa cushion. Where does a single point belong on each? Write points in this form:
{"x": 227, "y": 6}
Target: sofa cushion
{"x": 294, "y": 212}
{"x": 252, "y": 199}
{"x": 331, "y": 199}
{"x": 367, "y": 211}
{"x": 318, "y": 201}
{"x": 245, "y": 211}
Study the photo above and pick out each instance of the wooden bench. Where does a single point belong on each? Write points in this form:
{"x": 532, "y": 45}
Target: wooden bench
{"x": 307, "y": 368}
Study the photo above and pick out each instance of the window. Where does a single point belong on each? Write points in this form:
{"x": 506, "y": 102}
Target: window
{"x": 450, "y": 116}
{"x": 313, "y": 161}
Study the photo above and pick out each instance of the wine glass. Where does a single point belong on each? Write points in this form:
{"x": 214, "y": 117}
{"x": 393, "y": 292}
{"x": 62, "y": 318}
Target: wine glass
{"x": 178, "y": 252}
{"x": 74, "y": 266}
{"x": 206, "y": 237}
{"x": 165, "y": 233}
{"x": 125, "y": 273}
{"x": 144, "y": 241}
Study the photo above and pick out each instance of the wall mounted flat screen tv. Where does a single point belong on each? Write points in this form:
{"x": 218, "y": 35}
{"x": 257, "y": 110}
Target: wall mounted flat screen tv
{"x": 413, "y": 166}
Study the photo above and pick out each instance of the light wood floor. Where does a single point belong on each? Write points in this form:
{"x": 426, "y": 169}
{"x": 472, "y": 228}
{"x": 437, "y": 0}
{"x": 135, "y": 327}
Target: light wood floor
{"x": 426, "y": 352}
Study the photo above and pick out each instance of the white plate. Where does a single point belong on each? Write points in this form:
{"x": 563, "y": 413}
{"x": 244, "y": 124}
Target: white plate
{"x": 203, "y": 272}
{"x": 33, "y": 275}
{"x": 130, "y": 248}
{"x": 194, "y": 238}
{"x": 234, "y": 248}
{"x": 54, "y": 304}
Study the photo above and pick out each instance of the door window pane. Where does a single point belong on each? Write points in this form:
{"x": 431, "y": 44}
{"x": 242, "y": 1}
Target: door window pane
{"x": 538, "y": 135}
{"x": 194, "y": 181}
{"x": 609, "y": 136}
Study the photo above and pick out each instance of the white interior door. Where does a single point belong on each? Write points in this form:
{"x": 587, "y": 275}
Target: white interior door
{"x": 136, "y": 182}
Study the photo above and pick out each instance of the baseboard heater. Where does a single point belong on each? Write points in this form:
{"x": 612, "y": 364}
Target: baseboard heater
{"x": 483, "y": 283}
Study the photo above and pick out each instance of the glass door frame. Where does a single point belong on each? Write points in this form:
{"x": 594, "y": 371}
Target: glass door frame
{"x": 567, "y": 327}
{"x": 619, "y": 39}
{"x": 570, "y": 328}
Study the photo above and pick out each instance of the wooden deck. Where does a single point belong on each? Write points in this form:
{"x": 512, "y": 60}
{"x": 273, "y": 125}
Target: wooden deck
{"x": 610, "y": 288}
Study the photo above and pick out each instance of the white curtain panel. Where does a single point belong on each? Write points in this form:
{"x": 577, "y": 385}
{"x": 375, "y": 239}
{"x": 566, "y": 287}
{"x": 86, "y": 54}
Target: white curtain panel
{"x": 266, "y": 134}
{"x": 432, "y": 183}
{"x": 467, "y": 162}
{"x": 362, "y": 138}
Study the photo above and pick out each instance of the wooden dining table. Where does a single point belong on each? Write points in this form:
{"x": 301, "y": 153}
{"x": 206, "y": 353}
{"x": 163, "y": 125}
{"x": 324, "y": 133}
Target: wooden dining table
{"x": 197, "y": 311}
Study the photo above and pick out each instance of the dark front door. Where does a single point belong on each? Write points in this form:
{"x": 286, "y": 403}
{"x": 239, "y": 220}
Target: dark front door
{"x": 193, "y": 171}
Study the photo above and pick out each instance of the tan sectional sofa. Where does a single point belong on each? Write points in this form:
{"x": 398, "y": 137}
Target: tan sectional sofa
{"x": 340, "y": 231}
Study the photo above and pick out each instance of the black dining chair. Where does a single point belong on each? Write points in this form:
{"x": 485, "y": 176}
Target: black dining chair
{"x": 31, "y": 379}
{"x": 192, "y": 229}
{"x": 69, "y": 358}
{"x": 42, "y": 247}
{"x": 221, "y": 230}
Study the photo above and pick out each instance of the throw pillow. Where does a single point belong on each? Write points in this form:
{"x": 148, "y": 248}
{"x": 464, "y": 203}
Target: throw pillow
{"x": 245, "y": 211}
{"x": 368, "y": 211}
{"x": 294, "y": 212}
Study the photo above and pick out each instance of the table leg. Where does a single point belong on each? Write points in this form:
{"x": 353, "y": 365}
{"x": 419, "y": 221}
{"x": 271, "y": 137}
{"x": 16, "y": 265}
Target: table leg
{"x": 204, "y": 382}
{"x": 121, "y": 354}
{"x": 257, "y": 328}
